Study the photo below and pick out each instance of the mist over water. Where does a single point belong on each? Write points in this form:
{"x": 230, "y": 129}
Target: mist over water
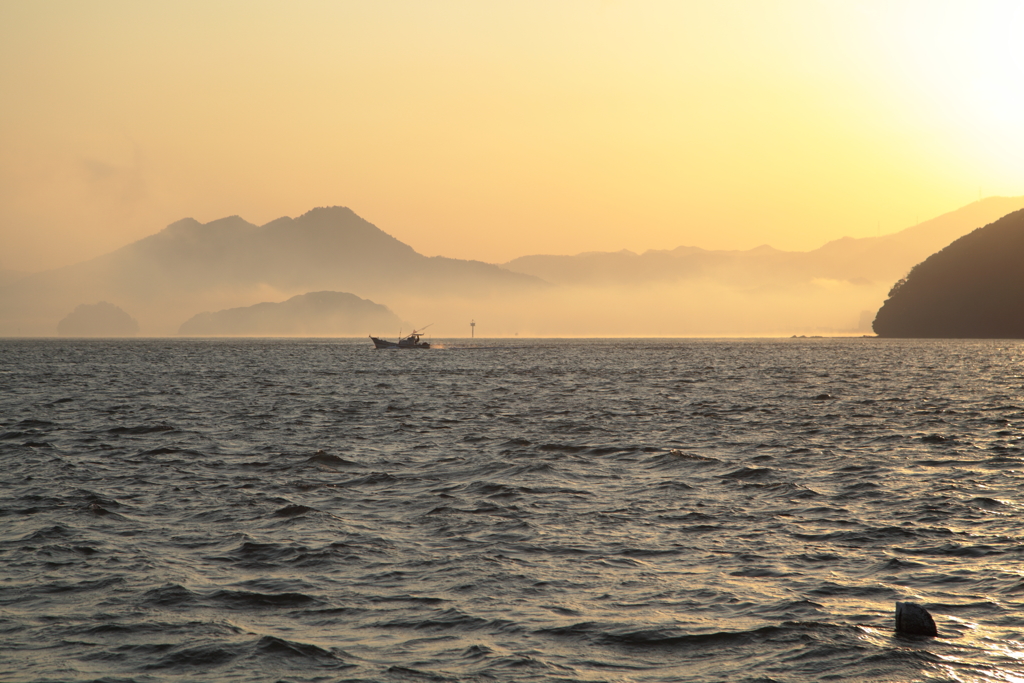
{"x": 292, "y": 277}
{"x": 628, "y": 510}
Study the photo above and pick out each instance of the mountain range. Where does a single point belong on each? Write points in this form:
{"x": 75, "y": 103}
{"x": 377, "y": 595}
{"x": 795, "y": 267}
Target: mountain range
{"x": 860, "y": 261}
{"x": 190, "y": 268}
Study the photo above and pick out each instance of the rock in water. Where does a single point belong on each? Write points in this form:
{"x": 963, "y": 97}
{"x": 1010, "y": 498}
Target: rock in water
{"x": 914, "y": 620}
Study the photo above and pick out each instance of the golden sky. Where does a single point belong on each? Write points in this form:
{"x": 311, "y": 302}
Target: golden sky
{"x": 491, "y": 130}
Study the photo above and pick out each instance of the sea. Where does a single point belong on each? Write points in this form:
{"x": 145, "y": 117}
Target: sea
{"x": 641, "y": 510}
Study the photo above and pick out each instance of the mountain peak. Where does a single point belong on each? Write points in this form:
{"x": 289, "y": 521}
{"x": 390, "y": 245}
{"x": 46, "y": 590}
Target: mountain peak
{"x": 183, "y": 225}
{"x": 332, "y": 211}
{"x": 319, "y": 214}
{"x": 191, "y": 227}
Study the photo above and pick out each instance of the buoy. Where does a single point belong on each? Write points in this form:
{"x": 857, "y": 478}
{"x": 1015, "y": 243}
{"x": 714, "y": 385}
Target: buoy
{"x": 914, "y": 620}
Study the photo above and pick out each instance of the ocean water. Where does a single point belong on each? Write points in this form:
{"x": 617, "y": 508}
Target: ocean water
{"x": 630, "y": 510}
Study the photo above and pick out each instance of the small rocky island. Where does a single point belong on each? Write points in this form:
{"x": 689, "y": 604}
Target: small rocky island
{"x": 974, "y": 288}
{"x": 316, "y": 314}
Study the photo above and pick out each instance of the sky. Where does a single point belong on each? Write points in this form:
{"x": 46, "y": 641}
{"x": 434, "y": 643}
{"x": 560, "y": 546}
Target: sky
{"x": 492, "y": 130}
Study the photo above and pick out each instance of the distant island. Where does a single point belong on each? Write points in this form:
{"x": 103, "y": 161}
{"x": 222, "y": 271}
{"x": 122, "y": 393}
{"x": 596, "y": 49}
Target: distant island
{"x": 974, "y": 288}
{"x": 97, "y": 320}
{"x": 316, "y": 314}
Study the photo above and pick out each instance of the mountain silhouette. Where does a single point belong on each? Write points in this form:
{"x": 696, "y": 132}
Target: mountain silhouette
{"x": 864, "y": 260}
{"x": 326, "y": 248}
{"x": 317, "y": 314}
{"x": 190, "y": 267}
{"x": 974, "y": 288}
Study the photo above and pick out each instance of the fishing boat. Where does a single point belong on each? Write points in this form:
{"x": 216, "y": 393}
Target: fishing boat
{"x": 410, "y": 342}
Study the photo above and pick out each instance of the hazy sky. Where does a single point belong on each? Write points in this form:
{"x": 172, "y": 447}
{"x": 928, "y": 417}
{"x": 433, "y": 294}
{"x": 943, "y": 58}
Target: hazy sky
{"x": 491, "y": 130}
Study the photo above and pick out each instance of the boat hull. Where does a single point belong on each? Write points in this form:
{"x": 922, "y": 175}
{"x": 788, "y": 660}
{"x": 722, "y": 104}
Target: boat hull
{"x": 404, "y": 344}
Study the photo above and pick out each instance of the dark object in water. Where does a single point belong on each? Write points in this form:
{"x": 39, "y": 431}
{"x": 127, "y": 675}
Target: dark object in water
{"x": 410, "y": 342}
{"x": 914, "y": 620}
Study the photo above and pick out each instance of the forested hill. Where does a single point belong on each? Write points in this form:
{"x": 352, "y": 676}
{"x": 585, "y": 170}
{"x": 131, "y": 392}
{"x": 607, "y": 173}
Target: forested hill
{"x": 974, "y": 288}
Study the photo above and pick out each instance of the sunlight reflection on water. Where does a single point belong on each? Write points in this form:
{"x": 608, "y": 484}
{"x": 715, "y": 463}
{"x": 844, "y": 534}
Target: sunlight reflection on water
{"x": 651, "y": 510}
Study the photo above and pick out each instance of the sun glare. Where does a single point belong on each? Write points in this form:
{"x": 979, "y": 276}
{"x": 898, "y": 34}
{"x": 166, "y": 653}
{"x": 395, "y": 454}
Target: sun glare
{"x": 966, "y": 64}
